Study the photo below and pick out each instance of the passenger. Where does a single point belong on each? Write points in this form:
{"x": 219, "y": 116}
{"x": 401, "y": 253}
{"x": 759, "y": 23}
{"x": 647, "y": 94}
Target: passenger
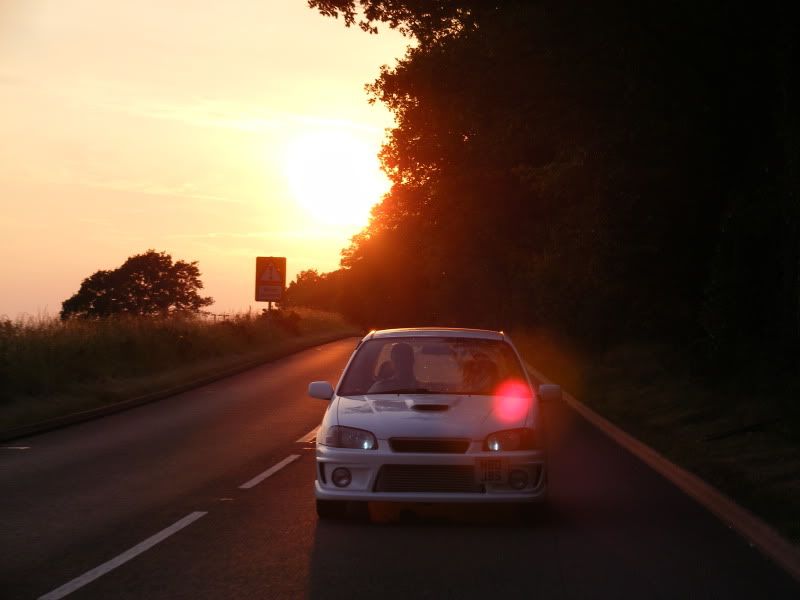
{"x": 481, "y": 375}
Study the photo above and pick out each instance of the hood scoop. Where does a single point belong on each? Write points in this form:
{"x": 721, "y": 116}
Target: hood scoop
{"x": 431, "y": 407}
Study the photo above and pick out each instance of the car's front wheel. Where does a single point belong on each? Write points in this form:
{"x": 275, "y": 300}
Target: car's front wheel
{"x": 331, "y": 509}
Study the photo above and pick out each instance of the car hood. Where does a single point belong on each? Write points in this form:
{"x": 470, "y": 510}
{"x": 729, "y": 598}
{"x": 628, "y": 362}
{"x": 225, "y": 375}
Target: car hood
{"x": 413, "y": 415}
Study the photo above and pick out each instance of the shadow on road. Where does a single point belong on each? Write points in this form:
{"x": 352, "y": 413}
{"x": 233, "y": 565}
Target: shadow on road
{"x": 612, "y": 528}
{"x": 437, "y": 551}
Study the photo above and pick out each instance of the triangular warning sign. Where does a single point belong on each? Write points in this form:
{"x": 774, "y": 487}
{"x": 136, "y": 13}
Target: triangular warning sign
{"x": 270, "y": 278}
{"x": 270, "y": 273}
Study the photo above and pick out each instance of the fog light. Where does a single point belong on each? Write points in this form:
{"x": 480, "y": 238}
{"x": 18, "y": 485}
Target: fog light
{"x": 518, "y": 479}
{"x": 341, "y": 477}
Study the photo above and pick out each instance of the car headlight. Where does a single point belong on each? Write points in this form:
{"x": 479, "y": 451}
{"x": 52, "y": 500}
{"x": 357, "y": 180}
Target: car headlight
{"x": 338, "y": 436}
{"x": 510, "y": 439}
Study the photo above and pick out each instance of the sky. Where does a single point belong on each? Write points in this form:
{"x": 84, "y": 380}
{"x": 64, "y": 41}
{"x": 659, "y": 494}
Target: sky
{"x": 214, "y": 131}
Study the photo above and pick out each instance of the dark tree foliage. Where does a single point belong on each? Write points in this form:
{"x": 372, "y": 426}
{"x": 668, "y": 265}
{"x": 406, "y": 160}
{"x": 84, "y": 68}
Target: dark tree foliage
{"x": 312, "y": 289}
{"x": 425, "y": 20}
{"x": 148, "y": 284}
{"x": 611, "y": 169}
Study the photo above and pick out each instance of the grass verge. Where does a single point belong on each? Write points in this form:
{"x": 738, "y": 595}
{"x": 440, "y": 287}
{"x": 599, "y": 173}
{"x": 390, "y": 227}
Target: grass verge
{"x": 739, "y": 430}
{"x": 50, "y": 369}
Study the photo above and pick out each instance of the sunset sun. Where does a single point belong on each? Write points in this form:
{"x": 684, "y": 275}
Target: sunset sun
{"x": 335, "y": 176}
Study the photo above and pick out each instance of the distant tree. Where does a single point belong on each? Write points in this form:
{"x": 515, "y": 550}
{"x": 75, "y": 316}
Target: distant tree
{"x": 146, "y": 284}
{"x": 314, "y": 290}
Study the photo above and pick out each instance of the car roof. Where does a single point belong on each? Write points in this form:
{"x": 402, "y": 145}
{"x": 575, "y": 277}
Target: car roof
{"x": 454, "y": 332}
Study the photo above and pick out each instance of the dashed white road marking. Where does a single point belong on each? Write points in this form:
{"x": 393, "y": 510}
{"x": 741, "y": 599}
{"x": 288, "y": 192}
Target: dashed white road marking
{"x": 309, "y": 436}
{"x": 15, "y": 447}
{"x": 271, "y": 471}
{"x": 115, "y": 562}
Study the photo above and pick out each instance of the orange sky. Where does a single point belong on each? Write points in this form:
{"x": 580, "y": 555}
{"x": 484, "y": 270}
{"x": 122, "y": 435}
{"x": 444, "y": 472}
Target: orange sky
{"x": 216, "y": 131}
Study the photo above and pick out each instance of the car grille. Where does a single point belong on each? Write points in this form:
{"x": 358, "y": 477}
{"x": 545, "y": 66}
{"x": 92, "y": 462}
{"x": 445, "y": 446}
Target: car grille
{"x": 430, "y": 445}
{"x": 428, "y": 478}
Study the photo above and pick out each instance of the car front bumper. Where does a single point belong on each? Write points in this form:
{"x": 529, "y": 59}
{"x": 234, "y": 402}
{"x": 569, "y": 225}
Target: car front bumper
{"x": 369, "y": 470}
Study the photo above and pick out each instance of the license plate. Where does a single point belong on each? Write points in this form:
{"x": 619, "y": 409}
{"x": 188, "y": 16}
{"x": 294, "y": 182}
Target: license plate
{"x": 491, "y": 470}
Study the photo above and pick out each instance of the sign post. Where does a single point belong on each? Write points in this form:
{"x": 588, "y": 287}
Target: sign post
{"x": 270, "y": 278}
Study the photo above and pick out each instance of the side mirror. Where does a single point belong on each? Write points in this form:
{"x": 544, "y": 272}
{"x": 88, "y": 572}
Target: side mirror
{"x": 549, "y": 392}
{"x": 320, "y": 389}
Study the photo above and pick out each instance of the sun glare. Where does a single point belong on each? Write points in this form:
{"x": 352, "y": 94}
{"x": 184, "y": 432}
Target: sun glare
{"x": 335, "y": 176}
{"x": 512, "y": 399}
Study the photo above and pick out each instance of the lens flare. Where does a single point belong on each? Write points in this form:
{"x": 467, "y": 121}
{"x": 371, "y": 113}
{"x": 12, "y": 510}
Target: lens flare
{"x": 512, "y": 398}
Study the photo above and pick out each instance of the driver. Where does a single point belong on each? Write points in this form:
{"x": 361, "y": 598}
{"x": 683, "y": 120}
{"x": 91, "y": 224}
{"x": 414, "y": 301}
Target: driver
{"x": 402, "y": 360}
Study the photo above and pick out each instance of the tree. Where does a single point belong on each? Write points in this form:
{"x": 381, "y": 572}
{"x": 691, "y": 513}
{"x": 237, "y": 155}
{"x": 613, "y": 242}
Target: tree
{"x": 427, "y": 21}
{"x": 612, "y": 170}
{"x": 314, "y": 290}
{"x": 146, "y": 284}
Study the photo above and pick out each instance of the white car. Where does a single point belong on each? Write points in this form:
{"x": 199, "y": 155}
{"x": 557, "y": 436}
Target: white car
{"x": 431, "y": 415}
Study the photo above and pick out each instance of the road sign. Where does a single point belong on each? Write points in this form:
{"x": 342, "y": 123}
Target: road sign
{"x": 270, "y": 278}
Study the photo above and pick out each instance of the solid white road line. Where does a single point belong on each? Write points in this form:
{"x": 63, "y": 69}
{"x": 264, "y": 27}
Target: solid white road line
{"x": 309, "y": 436}
{"x": 115, "y": 562}
{"x": 749, "y": 526}
{"x": 271, "y": 471}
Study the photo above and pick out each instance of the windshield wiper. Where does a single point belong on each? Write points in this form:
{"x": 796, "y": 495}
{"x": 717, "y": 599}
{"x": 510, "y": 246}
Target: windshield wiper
{"x": 406, "y": 391}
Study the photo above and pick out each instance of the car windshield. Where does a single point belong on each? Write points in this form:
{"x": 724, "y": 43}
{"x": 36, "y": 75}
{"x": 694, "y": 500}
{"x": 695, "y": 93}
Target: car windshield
{"x": 429, "y": 365}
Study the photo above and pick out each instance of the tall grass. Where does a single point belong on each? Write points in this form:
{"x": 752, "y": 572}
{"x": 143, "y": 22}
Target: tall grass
{"x": 45, "y": 359}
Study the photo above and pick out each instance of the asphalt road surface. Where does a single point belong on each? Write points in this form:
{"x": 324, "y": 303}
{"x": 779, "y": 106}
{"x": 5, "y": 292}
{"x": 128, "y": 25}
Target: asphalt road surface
{"x": 178, "y": 499}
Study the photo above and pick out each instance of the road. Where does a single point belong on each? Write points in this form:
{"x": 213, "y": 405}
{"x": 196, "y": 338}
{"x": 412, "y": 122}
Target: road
{"x": 74, "y": 499}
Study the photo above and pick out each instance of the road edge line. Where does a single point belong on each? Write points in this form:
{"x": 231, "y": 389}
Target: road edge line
{"x": 753, "y": 529}
{"x": 119, "y": 560}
